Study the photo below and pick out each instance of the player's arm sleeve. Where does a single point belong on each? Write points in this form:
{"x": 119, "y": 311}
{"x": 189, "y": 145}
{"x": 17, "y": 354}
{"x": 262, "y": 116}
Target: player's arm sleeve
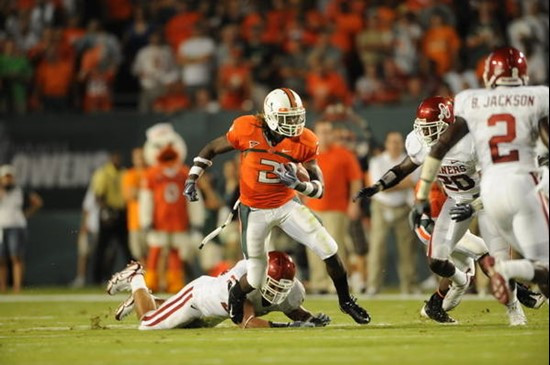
{"x": 396, "y": 174}
{"x": 233, "y": 135}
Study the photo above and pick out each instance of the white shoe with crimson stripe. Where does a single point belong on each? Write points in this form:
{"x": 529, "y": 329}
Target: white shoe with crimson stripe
{"x": 121, "y": 280}
{"x": 125, "y": 308}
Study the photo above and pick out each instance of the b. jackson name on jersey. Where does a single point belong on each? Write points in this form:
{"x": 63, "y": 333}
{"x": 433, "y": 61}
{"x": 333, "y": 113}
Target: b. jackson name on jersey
{"x": 491, "y": 101}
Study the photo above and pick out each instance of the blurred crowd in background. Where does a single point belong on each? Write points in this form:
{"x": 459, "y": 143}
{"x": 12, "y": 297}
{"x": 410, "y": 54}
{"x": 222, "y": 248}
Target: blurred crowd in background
{"x": 172, "y": 55}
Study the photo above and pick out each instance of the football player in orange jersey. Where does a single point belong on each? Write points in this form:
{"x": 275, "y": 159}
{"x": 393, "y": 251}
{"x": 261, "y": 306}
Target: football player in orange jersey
{"x": 268, "y": 183}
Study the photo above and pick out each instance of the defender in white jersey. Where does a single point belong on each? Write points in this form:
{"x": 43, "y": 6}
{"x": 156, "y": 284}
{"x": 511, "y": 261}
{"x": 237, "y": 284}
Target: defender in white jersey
{"x": 504, "y": 122}
{"x": 460, "y": 179}
{"x": 203, "y": 302}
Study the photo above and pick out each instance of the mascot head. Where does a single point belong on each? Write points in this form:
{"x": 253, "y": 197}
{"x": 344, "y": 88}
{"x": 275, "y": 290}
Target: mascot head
{"x": 164, "y": 145}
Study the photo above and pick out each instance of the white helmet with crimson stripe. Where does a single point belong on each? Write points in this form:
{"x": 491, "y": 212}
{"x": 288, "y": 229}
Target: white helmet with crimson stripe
{"x": 284, "y": 112}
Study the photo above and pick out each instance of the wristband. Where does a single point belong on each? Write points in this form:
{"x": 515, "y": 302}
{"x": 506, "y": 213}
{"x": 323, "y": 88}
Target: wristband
{"x": 196, "y": 170}
{"x": 203, "y": 161}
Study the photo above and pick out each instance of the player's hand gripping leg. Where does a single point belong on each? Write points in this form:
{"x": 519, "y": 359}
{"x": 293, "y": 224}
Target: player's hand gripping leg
{"x": 237, "y": 296}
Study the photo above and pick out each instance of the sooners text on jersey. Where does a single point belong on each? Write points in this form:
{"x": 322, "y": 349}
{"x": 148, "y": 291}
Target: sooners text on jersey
{"x": 458, "y": 172}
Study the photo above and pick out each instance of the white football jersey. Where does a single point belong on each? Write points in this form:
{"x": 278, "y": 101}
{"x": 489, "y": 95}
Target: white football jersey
{"x": 211, "y": 295}
{"x": 458, "y": 172}
{"x": 504, "y": 124}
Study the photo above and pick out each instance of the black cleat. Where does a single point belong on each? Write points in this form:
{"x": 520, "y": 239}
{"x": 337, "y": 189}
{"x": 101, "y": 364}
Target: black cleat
{"x": 433, "y": 309}
{"x": 236, "y": 305}
{"x": 355, "y": 311}
{"x": 529, "y": 298}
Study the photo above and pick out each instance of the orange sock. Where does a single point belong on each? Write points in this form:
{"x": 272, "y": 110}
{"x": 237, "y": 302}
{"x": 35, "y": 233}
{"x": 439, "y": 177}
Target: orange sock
{"x": 151, "y": 274}
{"x": 174, "y": 274}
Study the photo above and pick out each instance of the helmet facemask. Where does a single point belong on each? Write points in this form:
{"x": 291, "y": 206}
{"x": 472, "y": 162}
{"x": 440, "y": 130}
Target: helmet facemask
{"x": 284, "y": 112}
{"x": 289, "y": 123}
{"x": 429, "y": 132}
{"x": 275, "y": 291}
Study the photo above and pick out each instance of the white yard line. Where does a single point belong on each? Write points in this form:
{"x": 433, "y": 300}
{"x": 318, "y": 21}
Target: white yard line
{"x": 33, "y": 298}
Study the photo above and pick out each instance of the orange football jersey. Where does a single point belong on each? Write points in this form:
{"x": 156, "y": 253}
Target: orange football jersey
{"x": 259, "y": 186}
{"x": 169, "y": 204}
{"x": 437, "y": 198}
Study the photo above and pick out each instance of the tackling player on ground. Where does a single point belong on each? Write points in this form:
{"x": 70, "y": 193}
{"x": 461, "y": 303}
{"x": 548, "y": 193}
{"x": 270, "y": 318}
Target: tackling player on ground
{"x": 268, "y": 142}
{"x": 504, "y": 122}
{"x": 203, "y": 302}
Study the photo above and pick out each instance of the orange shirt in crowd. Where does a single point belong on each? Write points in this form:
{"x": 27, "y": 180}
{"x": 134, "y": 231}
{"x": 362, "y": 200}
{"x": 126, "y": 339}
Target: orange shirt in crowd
{"x": 169, "y": 204}
{"x": 119, "y": 9}
{"x": 234, "y": 86}
{"x": 347, "y": 27}
{"x": 324, "y": 88}
{"x": 275, "y": 25}
{"x": 340, "y": 167}
{"x": 259, "y": 186}
{"x": 71, "y": 35}
{"x": 250, "y": 21}
{"x": 54, "y": 78}
{"x": 441, "y": 45}
{"x": 131, "y": 183}
{"x": 179, "y": 27}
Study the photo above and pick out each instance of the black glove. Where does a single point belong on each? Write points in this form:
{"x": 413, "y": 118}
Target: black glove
{"x": 420, "y": 207}
{"x": 367, "y": 192}
{"x": 425, "y": 221}
{"x": 461, "y": 212}
{"x": 319, "y": 320}
{"x": 190, "y": 190}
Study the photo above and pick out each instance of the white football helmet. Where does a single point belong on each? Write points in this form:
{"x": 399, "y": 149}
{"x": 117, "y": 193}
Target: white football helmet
{"x": 284, "y": 112}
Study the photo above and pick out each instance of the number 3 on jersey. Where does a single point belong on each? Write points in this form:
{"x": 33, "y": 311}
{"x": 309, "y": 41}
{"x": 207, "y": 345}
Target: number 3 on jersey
{"x": 510, "y": 121}
{"x": 263, "y": 176}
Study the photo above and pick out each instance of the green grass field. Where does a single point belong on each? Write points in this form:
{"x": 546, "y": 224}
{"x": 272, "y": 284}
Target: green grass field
{"x": 67, "y": 328}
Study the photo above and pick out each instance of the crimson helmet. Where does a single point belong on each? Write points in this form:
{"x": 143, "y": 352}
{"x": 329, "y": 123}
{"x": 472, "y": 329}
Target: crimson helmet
{"x": 433, "y": 116}
{"x": 279, "y": 279}
{"x": 505, "y": 67}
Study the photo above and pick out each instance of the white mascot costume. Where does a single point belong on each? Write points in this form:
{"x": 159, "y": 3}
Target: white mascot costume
{"x": 164, "y": 211}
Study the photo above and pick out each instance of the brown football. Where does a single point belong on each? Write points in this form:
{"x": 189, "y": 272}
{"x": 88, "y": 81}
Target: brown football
{"x": 301, "y": 171}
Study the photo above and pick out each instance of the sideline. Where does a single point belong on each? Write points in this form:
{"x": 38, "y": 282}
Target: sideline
{"x": 35, "y": 298}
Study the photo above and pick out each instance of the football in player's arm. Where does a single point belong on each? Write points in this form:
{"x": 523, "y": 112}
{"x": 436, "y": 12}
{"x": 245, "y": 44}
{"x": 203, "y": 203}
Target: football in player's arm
{"x": 269, "y": 142}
